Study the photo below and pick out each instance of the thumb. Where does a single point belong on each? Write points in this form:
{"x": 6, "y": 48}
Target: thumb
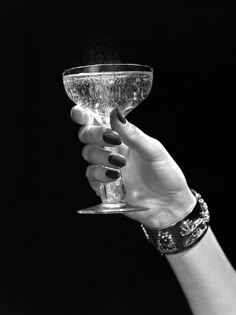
{"x": 149, "y": 148}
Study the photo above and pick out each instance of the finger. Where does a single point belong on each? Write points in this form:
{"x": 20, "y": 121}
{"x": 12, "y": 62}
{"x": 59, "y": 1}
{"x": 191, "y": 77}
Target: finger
{"x": 149, "y": 148}
{"x": 99, "y": 135}
{"x": 80, "y": 116}
{"x": 96, "y": 187}
{"x": 100, "y": 174}
{"x": 99, "y": 156}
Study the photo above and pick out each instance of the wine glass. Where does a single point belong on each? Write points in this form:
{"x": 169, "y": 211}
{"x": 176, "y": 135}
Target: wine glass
{"x": 99, "y": 89}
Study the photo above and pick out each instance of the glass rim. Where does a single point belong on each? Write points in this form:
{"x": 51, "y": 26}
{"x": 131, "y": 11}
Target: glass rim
{"x": 94, "y": 68}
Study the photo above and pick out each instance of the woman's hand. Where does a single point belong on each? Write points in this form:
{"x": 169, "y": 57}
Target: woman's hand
{"x": 152, "y": 178}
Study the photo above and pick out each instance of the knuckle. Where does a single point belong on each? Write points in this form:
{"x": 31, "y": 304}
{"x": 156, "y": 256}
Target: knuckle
{"x": 89, "y": 172}
{"x": 75, "y": 115}
{"x": 72, "y": 113}
{"x": 81, "y": 134}
{"x": 92, "y": 172}
{"x": 85, "y": 153}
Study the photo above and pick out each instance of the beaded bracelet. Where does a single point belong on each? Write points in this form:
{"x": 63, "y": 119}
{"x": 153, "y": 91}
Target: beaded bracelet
{"x": 185, "y": 233}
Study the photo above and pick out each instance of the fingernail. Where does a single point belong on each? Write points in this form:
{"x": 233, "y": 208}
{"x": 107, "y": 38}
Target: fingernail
{"x": 120, "y": 115}
{"x": 117, "y": 160}
{"x": 111, "y": 138}
{"x": 112, "y": 174}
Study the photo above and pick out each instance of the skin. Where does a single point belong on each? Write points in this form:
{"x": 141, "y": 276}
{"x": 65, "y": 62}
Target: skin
{"x": 153, "y": 179}
{"x": 159, "y": 184}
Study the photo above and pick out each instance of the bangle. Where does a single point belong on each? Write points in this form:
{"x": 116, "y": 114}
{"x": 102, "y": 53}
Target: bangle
{"x": 184, "y": 234}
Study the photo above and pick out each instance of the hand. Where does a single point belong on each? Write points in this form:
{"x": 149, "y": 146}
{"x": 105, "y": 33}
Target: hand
{"x": 152, "y": 178}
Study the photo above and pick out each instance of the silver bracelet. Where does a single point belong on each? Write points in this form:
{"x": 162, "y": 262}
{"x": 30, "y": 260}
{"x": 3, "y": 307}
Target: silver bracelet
{"x": 185, "y": 233}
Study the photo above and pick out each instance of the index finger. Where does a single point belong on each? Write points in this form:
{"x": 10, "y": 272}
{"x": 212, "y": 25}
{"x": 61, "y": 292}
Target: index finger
{"x": 82, "y": 116}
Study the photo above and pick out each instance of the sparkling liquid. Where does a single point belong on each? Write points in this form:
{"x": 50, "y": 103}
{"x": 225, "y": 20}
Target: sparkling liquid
{"x": 100, "y": 92}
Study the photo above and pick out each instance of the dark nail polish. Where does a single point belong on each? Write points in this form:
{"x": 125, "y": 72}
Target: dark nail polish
{"x": 111, "y": 138}
{"x": 112, "y": 174}
{"x": 120, "y": 115}
{"x": 117, "y": 160}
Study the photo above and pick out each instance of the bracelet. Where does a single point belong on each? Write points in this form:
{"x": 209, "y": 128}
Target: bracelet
{"x": 185, "y": 233}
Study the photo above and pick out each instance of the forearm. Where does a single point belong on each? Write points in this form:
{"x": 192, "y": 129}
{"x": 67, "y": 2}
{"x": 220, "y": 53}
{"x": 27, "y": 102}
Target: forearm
{"x": 206, "y": 277}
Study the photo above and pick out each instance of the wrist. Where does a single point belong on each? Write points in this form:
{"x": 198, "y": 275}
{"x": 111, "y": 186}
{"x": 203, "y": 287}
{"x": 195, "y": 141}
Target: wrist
{"x": 183, "y": 234}
{"x": 182, "y": 204}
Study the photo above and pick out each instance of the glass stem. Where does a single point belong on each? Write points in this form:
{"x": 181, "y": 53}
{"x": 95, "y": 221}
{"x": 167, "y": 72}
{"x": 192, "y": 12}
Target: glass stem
{"x": 113, "y": 194}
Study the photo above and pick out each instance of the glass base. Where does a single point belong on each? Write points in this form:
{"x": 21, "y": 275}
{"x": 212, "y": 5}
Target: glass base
{"x": 112, "y": 208}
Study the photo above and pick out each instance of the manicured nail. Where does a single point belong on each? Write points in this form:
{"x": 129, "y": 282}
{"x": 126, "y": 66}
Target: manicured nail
{"x": 112, "y": 174}
{"x": 120, "y": 115}
{"x": 111, "y": 138}
{"x": 117, "y": 160}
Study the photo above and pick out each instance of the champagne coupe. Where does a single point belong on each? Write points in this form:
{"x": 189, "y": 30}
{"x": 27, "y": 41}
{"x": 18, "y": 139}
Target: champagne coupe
{"x": 99, "y": 89}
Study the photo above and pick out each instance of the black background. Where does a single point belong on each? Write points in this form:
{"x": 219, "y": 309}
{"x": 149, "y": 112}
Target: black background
{"x": 54, "y": 260}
